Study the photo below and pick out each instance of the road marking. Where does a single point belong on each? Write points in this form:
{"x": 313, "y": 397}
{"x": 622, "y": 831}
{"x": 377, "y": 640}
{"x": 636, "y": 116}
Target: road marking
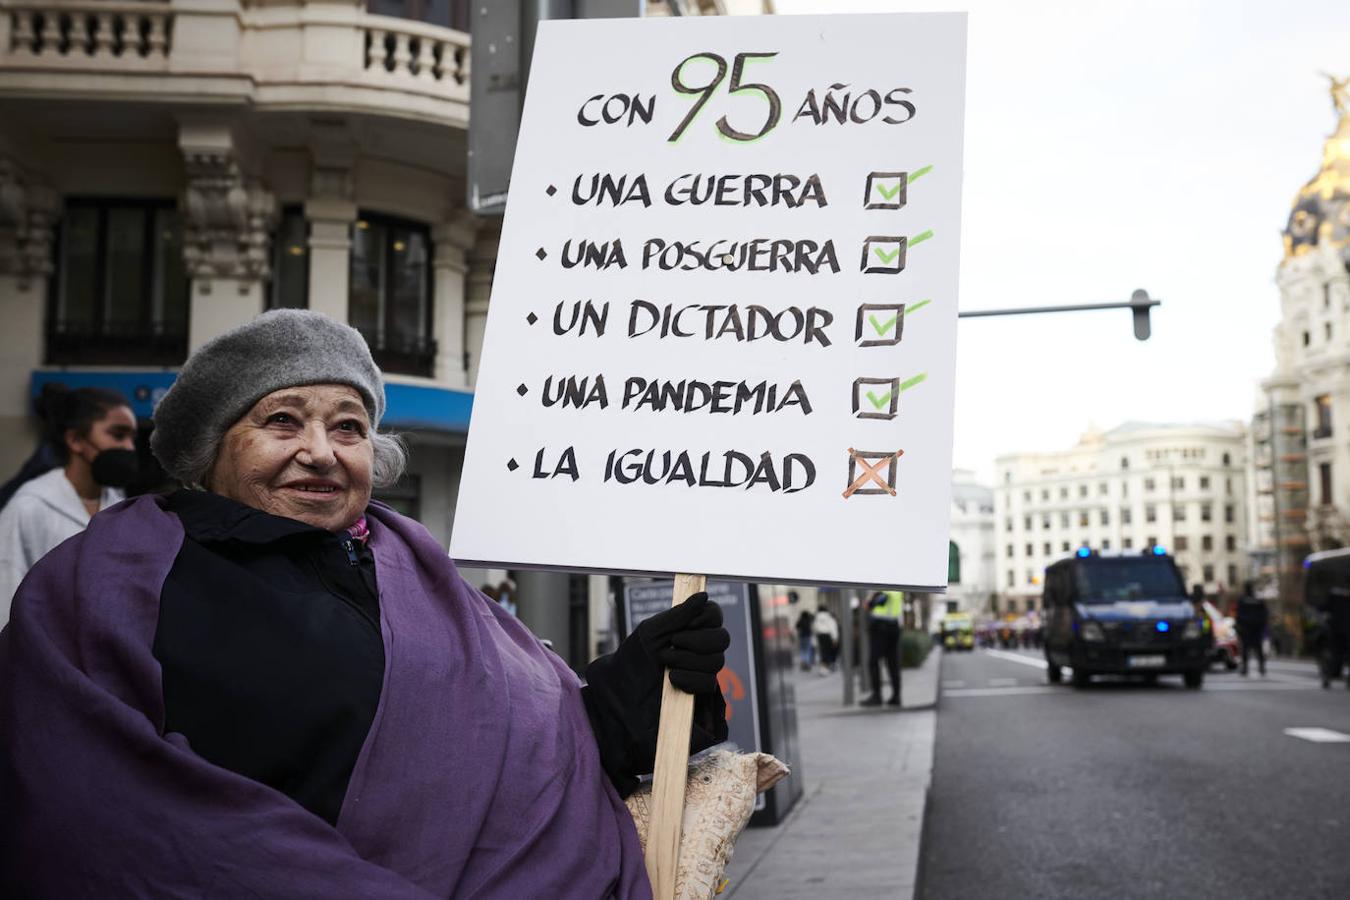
{"x": 1002, "y": 682}
{"x": 1001, "y": 692}
{"x": 1036, "y": 661}
{"x": 1319, "y": 735}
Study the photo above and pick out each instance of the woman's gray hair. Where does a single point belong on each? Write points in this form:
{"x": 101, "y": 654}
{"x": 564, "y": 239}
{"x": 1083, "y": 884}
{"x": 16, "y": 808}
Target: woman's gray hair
{"x": 391, "y": 459}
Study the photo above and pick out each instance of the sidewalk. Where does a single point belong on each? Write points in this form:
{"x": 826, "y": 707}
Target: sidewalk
{"x": 855, "y": 832}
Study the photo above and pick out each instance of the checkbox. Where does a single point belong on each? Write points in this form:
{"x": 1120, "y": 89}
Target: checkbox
{"x": 879, "y": 324}
{"x": 865, "y": 475}
{"x": 884, "y": 254}
{"x": 886, "y": 190}
{"x": 876, "y": 398}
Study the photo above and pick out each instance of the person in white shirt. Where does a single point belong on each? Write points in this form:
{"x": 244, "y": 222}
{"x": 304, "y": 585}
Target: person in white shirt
{"x": 93, "y": 433}
{"x": 826, "y": 629}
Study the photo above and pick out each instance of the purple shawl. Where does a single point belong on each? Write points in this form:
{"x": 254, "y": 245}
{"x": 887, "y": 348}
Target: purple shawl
{"x": 479, "y": 778}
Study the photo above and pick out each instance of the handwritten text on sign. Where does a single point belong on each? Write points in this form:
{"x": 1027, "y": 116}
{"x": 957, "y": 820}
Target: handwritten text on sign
{"x": 721, "y": 337}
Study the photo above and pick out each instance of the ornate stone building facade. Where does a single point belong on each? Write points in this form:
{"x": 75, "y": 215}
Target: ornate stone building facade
{"x": 1301, "y": 453}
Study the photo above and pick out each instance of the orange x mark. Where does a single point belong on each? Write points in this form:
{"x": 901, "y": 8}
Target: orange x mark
{"x": 871, "y": 473}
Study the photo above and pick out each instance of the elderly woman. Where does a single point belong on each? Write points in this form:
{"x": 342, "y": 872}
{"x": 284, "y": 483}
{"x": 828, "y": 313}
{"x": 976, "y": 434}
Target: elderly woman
{"x": 267, "y": 685}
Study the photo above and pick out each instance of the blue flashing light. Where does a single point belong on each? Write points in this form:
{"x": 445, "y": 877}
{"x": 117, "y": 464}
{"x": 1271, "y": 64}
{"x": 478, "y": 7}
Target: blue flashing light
{"x": 1084, "y": 552}
{"x": 1159, "y": 550}
{"x": 1307, "y": 564}
{"x": 1163, "y": 626}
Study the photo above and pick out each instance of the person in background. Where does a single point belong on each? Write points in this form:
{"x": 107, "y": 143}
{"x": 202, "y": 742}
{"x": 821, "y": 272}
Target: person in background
{"x": 806, "y": 647}
{"x": 1252, "y": 617}
{"x": 91, "y": 432}
{"x": 826, "y": 629}
{"x": 506, "y": 596}
{"x": 886, "y": 611}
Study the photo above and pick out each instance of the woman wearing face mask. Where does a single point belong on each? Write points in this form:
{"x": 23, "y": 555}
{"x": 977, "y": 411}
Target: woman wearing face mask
{"x": 92, "y": 431}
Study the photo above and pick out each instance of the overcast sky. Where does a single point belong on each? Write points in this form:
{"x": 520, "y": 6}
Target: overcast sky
{"x": 1111, "y": 146}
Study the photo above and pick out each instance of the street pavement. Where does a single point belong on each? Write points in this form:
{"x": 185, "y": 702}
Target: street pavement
{"x": 855, "y": 831}
{"x": 1125, "y": 790}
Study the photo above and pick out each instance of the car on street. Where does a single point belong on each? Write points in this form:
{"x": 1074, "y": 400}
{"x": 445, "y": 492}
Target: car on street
{"x": 1122, "y": 615}
{"x": 958, "y": 631}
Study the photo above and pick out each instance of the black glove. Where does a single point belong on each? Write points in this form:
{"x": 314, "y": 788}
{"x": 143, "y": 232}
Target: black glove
{"x": 690, "y": 641}
{"x": 623, "y": 689}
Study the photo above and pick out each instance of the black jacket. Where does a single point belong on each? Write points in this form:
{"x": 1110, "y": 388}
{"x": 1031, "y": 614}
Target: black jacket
{"x": 273, "y": 660}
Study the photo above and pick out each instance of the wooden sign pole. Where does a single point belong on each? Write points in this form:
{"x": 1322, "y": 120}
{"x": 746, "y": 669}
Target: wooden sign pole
{"x": 672, "y": 765}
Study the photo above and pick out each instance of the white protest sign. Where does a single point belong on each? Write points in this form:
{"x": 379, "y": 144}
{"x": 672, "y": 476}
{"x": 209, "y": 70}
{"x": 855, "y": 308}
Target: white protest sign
{"x": 722, "y": 332}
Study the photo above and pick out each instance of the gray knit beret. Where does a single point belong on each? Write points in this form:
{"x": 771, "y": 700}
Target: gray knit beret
{"x": 229, "y": 373}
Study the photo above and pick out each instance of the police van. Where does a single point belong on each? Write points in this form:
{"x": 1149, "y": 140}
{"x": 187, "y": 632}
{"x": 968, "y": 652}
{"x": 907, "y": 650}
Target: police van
{"x": 1122, "y": 615}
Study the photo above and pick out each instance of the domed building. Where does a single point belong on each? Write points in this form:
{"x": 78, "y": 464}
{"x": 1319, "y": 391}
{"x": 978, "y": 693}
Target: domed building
{"x": 1300, "y": 452}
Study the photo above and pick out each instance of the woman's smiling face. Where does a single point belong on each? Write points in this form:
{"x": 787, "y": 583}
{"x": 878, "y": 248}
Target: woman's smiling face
{"x": 301, "y": 452}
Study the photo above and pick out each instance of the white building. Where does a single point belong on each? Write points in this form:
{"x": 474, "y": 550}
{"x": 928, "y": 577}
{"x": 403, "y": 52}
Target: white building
{"x": 972, "y": 546}
{"x": 1300, "y": 456}
{"x": 1182, "y": 487}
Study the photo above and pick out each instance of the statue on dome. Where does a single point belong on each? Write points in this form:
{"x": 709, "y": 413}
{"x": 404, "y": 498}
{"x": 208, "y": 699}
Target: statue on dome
{"x": 1340, "y": 94}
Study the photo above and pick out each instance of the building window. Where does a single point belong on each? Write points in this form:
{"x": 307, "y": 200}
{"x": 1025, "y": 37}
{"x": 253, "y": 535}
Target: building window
{"x": 1322, "y": 412}
{"x": 1012, "y": 604}
{"x": 1083, "y": 519}
{"x": 1012, "y": 581}
{"x": 1045, "y": 523}
{"x": 1185, "y": 573}
{"x": 1182, "y": 543}
{"x": 1232, "y": 575}
{"x": 1204, "y": 482}
{"x": 1324, "y": 482}
{"x": 1307, "y": 338}
{"x": 1207, "y": 542}
{"x": 1104, "y": 516}
{"x": 1102, "y": 489}
{"x": 1063, "y": 520}
{"x": 1124, "y": 463}
{"x": 1152, "y": 542}
{"x": 1226, "y": 459}
{"x": 1026, "y": 496}
{"x": 1178, "y": 483}
{"x": 1106, "y": 543}
{"x": 1230, "y": 543}
{"x": 1082, "y": 490}
{"x": 1149, "y": 485}
{"x": 1228, "y": 513}
{"x": 1178, "y": 512}
{"x": 1045, "y": 494}
{"x": 1026, "y": 523}
{"x": 1124, "y": 489}
{"x": 1125, "y": 515}
{"x": 1064, "y": 493}
{"x": 1030, "y": 550}
{"x": 290, "y": 261}
{"x": 1207, "y": 571}
{"x": 1326, "y": 330}
{"x": 1150, "y": 513}
{"x": 1064, "y": 547}
{"x": 1048, "y": 549}
{"x": 1007, "y": 524}
{"x": 120, "y": 295}
{"x": 1206, "y": 512}
{"x": 405, "y": 496}
{"x": 1127, "y": 543}
{"x": 390, "y": 294}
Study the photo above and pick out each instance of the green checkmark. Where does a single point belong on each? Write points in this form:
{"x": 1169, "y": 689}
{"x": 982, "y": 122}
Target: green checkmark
{"x": 888, "y": 194}
{"x": 882, "y": 327}
{"x": 917, "y": 173}
{"x": 881, "y": 401}
{"x": 884, "y": 256}
{"x": 920, "y": 238}
{"x": 917, "y": 379}
{"x": 916, "y": 306}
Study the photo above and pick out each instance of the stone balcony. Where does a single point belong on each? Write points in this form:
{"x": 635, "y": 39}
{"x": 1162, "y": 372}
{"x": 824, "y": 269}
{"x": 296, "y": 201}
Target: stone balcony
{"x": 269, "y": 56}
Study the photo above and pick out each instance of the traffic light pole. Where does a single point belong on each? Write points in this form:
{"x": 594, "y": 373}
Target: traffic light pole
{"x": 1140, "y": 303}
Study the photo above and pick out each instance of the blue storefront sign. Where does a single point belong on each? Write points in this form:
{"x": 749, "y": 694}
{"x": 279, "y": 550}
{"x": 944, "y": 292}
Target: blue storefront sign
{"x": 413, "y": 407}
